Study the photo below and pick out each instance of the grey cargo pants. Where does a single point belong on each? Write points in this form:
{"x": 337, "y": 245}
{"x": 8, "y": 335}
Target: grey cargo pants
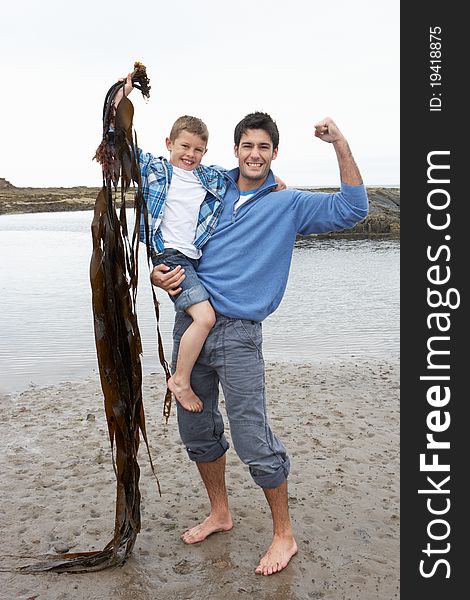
{"x": 232, "y": 354}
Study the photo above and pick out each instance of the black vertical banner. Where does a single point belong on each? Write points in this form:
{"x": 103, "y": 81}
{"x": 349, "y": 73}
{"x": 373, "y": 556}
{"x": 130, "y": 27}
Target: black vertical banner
{"x": 435, "y": 435}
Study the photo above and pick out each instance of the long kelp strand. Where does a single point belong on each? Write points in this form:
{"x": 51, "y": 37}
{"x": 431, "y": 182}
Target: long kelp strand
{"x": 114, "y": 278}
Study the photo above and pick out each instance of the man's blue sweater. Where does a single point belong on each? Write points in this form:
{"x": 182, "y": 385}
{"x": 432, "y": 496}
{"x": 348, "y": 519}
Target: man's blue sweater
{"x": 245, "y": 263}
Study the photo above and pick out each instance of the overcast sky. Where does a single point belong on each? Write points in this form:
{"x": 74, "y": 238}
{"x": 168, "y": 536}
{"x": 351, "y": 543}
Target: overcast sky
{"x": 299, "y": 61}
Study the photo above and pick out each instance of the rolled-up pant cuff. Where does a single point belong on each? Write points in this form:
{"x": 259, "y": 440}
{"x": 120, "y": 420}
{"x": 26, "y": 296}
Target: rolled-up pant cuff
{"x": 189, "y": 297}
{"x": 210, "y": 455}
{"x": 271, "y": 480}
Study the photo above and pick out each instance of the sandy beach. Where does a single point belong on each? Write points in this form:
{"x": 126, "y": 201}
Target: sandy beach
{"x": 340, "y": 423}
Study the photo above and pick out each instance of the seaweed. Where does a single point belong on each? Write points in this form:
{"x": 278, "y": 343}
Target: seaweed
{"x": 114, "y": 278}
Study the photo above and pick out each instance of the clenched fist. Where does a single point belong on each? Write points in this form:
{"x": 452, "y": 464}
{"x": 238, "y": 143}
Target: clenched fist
{"x": 327, "y": 131}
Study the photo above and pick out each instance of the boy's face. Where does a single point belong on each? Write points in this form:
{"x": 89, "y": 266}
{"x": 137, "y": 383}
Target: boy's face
{"x": 186, "y": 151}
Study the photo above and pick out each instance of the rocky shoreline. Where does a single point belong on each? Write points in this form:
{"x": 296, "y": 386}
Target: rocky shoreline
{"x": 383, "y": 219}
{"x": 15, "y": 200}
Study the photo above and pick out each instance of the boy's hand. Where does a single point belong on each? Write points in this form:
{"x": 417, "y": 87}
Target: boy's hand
{"x": 127, "y": 89}
{"x": 327, "y": 131}
{"x": 167, "y": 280}
{"x": 280, "y": 184}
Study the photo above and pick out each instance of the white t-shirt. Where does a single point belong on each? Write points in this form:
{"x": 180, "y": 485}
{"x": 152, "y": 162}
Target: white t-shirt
{"x": 181, "y": 212}
{"x": 244, "y": 196}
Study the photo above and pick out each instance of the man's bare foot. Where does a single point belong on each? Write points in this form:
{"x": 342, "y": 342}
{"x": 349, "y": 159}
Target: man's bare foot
{"x": 210, "y": 525}
{"x": 185, "y": 395}
{"x": 278, "y": 555}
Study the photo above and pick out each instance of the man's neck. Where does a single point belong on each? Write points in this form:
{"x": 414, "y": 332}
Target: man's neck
{"x": 245, "y": 185}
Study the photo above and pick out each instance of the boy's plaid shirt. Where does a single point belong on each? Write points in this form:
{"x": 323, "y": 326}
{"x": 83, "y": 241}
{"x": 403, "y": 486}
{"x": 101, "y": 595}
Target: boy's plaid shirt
{"x": 156, "y": 178}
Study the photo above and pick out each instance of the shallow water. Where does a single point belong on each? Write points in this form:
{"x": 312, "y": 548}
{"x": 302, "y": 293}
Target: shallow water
{"x": 342, "y": 301}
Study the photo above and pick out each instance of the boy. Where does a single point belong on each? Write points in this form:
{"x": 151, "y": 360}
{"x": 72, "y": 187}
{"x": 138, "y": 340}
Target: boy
{"x": 184, "y": 200}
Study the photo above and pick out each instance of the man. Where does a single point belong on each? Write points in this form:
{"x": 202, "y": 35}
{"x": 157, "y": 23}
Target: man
{"x": 244, "y": 268}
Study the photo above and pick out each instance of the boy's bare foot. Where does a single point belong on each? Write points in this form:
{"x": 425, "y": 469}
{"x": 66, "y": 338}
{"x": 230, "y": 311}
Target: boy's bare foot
{"x": 210, "y": 525}
{"x": 278, "y": 555}
{"x": 185, "y": 396}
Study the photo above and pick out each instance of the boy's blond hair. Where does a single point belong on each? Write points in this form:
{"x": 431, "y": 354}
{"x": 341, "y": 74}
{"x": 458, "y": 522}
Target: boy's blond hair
{"x": 191, "y": 125}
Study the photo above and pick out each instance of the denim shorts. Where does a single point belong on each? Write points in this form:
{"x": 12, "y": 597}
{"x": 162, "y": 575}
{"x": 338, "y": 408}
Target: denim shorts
{"x": 192, "y": 290}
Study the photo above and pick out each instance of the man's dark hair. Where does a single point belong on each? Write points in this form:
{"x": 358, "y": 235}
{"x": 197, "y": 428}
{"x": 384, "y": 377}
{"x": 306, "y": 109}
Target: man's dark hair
{"x": 257, "y": 120}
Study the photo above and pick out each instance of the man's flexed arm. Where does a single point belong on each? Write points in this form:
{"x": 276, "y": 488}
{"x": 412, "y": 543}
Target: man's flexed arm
{"x": 327, "y": 131}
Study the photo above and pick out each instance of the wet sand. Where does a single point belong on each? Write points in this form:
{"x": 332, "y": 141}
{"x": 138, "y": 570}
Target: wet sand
{"x": 340, "y": 423}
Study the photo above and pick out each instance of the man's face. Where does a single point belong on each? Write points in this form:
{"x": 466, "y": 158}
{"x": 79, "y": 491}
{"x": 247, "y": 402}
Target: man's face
{"x": 186, "y": 151}
{"x": 255, "y": 154}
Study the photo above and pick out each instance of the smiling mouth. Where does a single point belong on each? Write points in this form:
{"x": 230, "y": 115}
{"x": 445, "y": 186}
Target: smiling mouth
{"x": 253, "y": 164}
{"x": 187, "y": 162}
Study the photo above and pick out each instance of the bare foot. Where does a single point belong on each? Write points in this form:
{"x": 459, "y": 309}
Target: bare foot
{"x": 278, "y": 555}
{"x": 210, "y": 525}
{"x": 185, "y": 396}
